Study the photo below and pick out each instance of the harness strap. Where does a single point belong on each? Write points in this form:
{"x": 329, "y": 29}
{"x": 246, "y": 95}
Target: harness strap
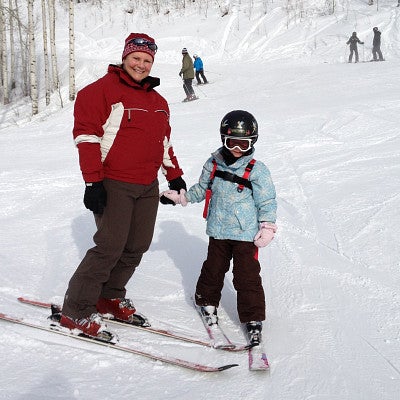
{"x": 214, "y": 170}
{"x": 208, "y": 191}
{"x": 228, "y": 176}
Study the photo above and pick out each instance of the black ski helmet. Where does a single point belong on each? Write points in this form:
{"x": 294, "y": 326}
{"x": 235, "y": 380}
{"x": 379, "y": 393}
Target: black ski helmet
{"x": 239, "y": 124}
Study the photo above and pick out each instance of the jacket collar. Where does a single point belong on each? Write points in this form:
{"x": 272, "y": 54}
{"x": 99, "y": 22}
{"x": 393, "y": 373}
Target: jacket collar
{"x": 148, "y": 83}
{"x": 244, "y": 160}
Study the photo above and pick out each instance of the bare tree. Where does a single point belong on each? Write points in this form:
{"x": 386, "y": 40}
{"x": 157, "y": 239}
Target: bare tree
{"x": 45, "y": 53}
{"x": 32, "y": 60}
{"x": 23, "y": 54}
{"x": 4, "y": 58}
{"x": 12, "y": 46}
{"x": 71, "y": 52}
{"x": 52, "y": 30}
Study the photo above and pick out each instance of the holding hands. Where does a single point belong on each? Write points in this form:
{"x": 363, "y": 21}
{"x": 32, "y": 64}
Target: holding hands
{"x": 177, "y": 198}
{"x": 176, "y": 185}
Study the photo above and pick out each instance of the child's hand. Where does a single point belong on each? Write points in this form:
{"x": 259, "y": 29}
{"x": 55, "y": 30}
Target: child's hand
{"x": 265, "y": 235}
{"x": 177, "y": 198}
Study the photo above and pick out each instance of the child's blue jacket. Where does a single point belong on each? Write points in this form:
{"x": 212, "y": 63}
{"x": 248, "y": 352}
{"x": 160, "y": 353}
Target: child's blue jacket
{"x": 236, "y": 215}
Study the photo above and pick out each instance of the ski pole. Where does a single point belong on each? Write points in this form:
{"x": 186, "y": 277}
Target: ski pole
{"x": 202, "y": 91}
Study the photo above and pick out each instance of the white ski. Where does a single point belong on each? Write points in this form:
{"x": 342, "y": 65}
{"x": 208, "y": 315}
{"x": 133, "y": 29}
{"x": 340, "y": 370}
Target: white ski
{"x": 169, "y": 360}
{"x": 258, "y": 359}
{"x": 216, "y": 334}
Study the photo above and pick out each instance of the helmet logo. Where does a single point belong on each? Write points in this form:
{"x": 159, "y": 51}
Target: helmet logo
{"x": 240, "y": 124}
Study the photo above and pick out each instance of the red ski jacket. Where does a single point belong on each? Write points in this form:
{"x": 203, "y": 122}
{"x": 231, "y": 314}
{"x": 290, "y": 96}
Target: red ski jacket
{"x": 122, "y": 130}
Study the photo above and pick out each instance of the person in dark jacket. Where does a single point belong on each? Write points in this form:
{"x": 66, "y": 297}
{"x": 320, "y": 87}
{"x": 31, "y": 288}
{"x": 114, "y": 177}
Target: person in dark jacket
{"x": 122, "y": 133}
{"x": 198, "y": 66}
{"x": 187, "y": 74}
{"x": 376, "y": 45}
{"x": 353, "y": 40}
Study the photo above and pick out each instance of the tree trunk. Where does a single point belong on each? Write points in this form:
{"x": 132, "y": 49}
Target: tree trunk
{"x": 12, "y": 47}
{"x": 32, "y": 60}
{"x": 71, "y": 52}
{"x": 52, "y": 23}
{"x": 23, "y": 52}
{"x": 45, "y": 53}
{"x": 4, "y": 58}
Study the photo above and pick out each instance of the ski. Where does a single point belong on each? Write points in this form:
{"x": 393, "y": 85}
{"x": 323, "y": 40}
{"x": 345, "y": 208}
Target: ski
{"x": 217, "y": 336}
{"x": 189, "y": 100}
{"x": 258, "y": 359}
{"x": 157, "y": 331}
{"x": 53, "y": 328}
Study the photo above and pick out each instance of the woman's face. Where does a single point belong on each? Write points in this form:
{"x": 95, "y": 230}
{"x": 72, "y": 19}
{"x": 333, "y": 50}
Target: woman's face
{"x": 138, "y": 65}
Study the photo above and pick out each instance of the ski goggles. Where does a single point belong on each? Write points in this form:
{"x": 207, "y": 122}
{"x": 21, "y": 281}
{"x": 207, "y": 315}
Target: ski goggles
{"x": 144, "y": 42}
{"x": 242, "y": 145}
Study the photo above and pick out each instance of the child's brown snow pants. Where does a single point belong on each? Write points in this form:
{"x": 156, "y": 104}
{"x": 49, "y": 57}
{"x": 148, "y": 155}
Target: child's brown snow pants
{"x": 246, "y": 277}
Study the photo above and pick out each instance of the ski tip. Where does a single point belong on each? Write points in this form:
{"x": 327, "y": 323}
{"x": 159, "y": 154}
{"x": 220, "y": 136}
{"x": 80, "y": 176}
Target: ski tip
{"x": 224, "y": 367}
{"x": 22, "y": 299}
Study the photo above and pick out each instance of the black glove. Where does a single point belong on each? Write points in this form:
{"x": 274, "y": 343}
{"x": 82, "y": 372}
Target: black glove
{"x": 95, "y": 198}
{"x": 176, "y": 184}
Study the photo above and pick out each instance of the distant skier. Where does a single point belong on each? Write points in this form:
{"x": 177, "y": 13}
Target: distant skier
{"x": 376, "y": 45}
{"x": 353, "y": 40}
{"x": 198, "y": 66}
{"x": 187, "y": 73}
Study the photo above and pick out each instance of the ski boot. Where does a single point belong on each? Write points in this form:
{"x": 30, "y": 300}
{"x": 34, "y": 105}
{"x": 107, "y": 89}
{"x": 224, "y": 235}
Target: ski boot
{"x": 92, "y": 327}
{"x": 121, "y": 309}
{"x": 209, "y": 314}
{"x": 254, "y": 332}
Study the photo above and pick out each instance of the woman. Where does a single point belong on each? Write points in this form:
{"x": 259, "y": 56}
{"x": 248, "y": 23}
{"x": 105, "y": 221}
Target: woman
{"x": 122, "y": 133}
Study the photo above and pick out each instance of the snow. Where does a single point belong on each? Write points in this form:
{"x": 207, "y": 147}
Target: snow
{"x": 329, "y": 134}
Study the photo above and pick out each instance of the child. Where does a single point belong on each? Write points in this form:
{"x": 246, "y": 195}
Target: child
{"x": 241, "y": 214}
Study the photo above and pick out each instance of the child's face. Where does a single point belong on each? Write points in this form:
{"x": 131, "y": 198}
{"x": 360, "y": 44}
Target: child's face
{"x": 236, "y": 153}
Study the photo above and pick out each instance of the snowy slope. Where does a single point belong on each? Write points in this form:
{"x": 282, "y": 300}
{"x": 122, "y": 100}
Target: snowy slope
{"x": 329, "y": 134}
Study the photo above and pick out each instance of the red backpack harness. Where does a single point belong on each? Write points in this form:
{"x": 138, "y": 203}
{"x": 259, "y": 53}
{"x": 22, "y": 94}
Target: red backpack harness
{"x": 242, "y": 181}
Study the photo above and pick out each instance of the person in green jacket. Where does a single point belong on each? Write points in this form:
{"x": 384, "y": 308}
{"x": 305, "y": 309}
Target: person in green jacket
{"x": 187, "y": 74}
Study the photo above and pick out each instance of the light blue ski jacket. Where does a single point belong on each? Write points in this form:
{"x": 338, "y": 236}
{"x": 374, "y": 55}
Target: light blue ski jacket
{"x": 236, "y": 215}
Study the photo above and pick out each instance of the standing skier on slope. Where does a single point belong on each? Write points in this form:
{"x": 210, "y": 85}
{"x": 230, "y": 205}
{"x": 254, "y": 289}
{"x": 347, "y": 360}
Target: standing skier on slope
{"x": 376, "y": 45}
{"x": 187, "y": 74}
{"x": 353, "y": 40}
{"x": 240, "y": 215}
{"x": 122, "y": 133}
{"x": 198, "y": 66}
